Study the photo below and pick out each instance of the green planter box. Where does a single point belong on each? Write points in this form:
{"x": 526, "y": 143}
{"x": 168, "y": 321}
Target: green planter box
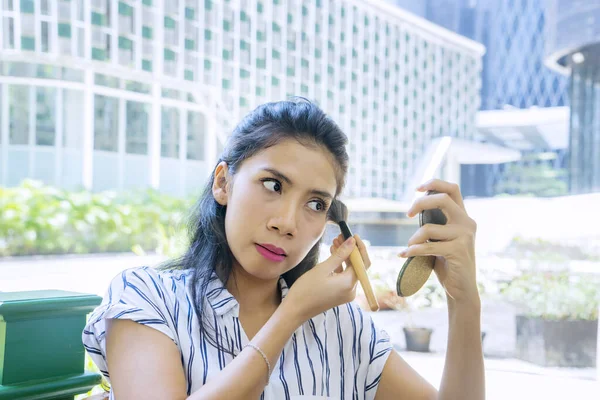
{"x": 41, "y": 354}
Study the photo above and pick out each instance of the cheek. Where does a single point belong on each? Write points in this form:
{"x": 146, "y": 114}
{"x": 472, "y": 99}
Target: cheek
{"x": 314, "y": 230}
{"x": 244, "y": 201}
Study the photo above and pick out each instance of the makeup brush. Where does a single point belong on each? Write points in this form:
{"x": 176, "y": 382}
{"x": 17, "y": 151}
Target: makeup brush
{"x": 416, "y": 270}
{"x": 338, "y": 213}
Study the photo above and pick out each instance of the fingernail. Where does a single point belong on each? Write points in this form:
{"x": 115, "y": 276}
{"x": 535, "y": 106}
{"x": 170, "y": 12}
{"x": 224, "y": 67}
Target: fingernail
{"x": 350, "y": 242}
{"x": 402, "y": 253}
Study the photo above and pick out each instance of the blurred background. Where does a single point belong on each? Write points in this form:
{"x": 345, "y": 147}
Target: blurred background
{"x": 113, "y": 114}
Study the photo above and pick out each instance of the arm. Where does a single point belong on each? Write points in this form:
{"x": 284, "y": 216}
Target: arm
{"x": 463, "y": 376}
{"x": 454, "y": 246}
{"x": 137, "y": 373}
{"x": 249, "y": 370}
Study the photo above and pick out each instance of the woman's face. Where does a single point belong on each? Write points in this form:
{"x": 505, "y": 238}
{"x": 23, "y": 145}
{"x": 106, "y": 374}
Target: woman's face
{"x": 277, "y": 206}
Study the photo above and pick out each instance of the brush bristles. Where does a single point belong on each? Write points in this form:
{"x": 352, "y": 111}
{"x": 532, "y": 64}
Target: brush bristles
{"x": 337, "y": 212}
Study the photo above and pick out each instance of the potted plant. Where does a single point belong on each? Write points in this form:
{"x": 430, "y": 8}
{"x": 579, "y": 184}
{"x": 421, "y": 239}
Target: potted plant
{"x": 432, "y": 294}
{"x": 557, "y": 320}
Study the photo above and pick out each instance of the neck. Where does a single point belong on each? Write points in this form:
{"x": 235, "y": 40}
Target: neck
{"x": 254, "y": 295}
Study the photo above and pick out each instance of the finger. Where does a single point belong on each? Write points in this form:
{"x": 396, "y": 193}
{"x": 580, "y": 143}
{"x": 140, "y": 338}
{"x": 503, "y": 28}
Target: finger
{"x": 428, "y": 249}
{"x": 348, "y": 277}
{"x": 337, "y": 242}
{"x": 332, "y": 250}
{"x": 452, "y": 189}
{"x": 363, "y": 251}
{"x": 443, "y": 201}
{"x": 339, "y": 255}
{"x": 435, "y": 233}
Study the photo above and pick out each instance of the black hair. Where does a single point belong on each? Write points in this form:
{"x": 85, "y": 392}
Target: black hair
{"x": 266, "y": 126}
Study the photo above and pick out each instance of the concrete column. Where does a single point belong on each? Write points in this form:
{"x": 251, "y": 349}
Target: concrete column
{"x": 154, "y": 137}
{"x": 58, "y": 142}
{"x": 121, "y": 142}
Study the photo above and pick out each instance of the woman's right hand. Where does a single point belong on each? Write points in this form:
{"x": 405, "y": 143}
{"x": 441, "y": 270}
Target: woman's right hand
{"x": 326, "y": 285}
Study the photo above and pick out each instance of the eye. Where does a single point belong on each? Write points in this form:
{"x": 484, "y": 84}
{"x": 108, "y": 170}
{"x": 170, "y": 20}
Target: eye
{"x": 272, "y": 184}
{"x": 317, "y": 205}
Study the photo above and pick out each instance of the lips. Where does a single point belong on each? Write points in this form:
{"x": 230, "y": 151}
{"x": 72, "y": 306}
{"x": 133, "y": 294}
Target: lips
{"x": 273, "y": 249}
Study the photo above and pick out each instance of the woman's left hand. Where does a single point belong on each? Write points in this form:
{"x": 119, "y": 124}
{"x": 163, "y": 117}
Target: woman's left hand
{"x": 455, "y": 249}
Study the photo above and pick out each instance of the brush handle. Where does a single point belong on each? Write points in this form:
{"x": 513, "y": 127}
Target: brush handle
{"x": 361, "y": 272}
{"x": 359, "y": 268}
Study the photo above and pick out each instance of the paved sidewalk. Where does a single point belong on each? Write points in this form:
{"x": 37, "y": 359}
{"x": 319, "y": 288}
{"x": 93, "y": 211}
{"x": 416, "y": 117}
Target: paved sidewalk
{"x": 85, "y": 273}
{"x": 515, "y": 380}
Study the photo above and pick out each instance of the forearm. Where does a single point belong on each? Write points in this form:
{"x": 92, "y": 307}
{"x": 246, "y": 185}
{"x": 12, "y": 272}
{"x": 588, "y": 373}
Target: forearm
{"x": 464, "y": 375}
{"x": 246, "y": 376}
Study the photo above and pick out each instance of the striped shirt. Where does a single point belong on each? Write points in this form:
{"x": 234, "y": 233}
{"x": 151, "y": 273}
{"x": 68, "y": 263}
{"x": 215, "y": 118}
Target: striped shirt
{"x": 338, "y": 354}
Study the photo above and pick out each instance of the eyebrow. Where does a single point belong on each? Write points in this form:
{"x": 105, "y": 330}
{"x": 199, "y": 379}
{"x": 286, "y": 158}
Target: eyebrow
{"x": 287, "y": 180}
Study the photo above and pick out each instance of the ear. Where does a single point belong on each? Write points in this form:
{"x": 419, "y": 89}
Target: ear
{"x": 220, "y": 183}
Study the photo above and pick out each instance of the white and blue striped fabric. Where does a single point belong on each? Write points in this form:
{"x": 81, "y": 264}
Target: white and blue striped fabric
{"x": 339, "y": 354}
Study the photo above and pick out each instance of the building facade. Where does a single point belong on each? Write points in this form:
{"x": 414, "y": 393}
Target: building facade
{"x": 117, "y": 94}
{"x": 514, "y": 78}
{"x": 513, "y": 33}
{"x": 574, "y": 50}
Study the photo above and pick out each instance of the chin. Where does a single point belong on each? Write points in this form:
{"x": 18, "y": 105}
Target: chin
{"x": 264, "y": 270}
{"x": 267, "y": 274}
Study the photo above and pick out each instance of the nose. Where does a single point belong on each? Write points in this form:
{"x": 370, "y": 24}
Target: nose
{"x": 284, "y": 222}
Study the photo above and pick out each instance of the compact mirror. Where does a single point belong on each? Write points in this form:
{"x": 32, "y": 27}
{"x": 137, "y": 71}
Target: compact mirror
{"x": 416, "y": 270}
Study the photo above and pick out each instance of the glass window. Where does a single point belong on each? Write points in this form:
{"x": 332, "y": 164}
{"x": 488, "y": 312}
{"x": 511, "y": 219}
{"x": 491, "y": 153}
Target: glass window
{"x": 18, "y": 96}
{"x": 8, "y": 33}
{"x": 136, "y": 132}
{"x": 106, "y": 80}
{"x": 45, "y": 116}
{"x": 27, "y": 43}
{"x": 72, "y": 109}
{"x": 27, "y": 6}
{"x": 170, "y": 132}
{"x": 195, "y": 137}
{"x": 138, "y": 87}
{"x": 64, "y": 30}
{"x": 45, "y": 36}
{"x": 47, "y": 71}
{"x": 106, "y": 120}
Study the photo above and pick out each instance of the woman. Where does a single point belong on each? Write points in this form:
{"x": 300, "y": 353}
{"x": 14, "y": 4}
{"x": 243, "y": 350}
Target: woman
{"x": 248, "y": 313}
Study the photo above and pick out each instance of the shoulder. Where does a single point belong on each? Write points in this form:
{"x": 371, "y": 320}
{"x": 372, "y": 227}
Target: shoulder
{"x": 145, "y": 295}
{"x": 150, "y": 281}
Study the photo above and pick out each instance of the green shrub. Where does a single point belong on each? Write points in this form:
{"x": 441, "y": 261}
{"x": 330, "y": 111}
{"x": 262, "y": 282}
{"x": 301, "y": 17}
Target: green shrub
{"x": 39, "y": 219}
{"x": 540, "y": 249}
{"x": 556, "y": 296}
